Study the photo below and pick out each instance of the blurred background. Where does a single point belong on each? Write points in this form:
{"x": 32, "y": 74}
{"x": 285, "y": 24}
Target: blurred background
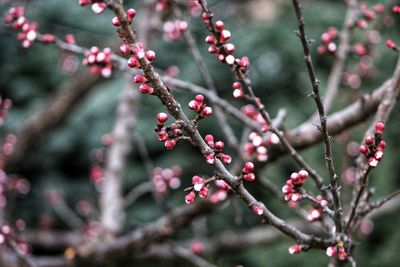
{"x": 63, "y": 160}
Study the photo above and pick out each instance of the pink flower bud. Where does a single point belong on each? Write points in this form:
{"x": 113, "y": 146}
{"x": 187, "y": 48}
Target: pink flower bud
{"x": 211, "y": 40}
{"x": 139, "y": 79}
{"x": 331, "y": 251}
{"x": 133, "y": 62}
{"x": 162, "y": 118}
{"x": 363, "y": 149}
{"x": 199, "y": 99}
{"x": 248, "y": 167}
{"x": 125, "y": 49}
{"x": 146, "y": 89}
{"x": 219, "y": 25}
{"x": 162, "y": 135}
{"x": 295, "y": 249}
{"x": 189, "y": 198}
{"x": 197, "y": 182}
{"x": 219, "y": 146}
{"x": 226, "y": 159}
{"x": 379, "y": 127}
{"x": 204, "y": 192}
{"x": 210, "y": 159}
{"x": 194, "y": 105}
{"x": 131, "y": 13}
{"x": 257, "y": 209}
{"x": 48, "y": 38}
{"x": 369, "y": 141}
{"x": 150, "y": 55}
{"x": 250, "y": 177}
{"x": 373, "y": 162}
{"x": 170, "y": 144}
{"x": 115, "y": 21}
{"x": 209, "y": 140}
{"x": 99, "y": 7}
{"x": 206, "y": 111}
{"x": 390, "y": 44}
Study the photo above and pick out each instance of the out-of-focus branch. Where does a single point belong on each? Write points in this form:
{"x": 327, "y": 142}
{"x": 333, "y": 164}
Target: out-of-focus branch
{"x": 111, "y": 202}
{"x": 307, "y": 134}
{"x": 335, "y": 75}
{"x": 136, "y": 192}
{"x": 53, "y": 114}
{"x": 188, "y": 255}
{"x": 131, "y": 243}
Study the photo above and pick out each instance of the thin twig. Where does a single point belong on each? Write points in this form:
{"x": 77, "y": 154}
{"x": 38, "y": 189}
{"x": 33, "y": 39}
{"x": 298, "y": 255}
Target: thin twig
{"x": 334, "y": 188}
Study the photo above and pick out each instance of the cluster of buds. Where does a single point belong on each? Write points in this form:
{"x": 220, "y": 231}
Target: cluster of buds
{"x": 337, "y": 250}
{"x": 174, "y": 30}
{"x": 217, "y": 147}
{"x": 315, "y": 214}
{"x": 138, "y": 54}
{"x": 374, "y": 145}
{"x": 247, "y": 172}
{"x": 167, "y": 134}
{"x": 220, "y": 47}
{"x": 12, "y": 185}
{"x": 98, "y": 159}
{"x": 198, "y": 105}
{"x": 369, "y": 14}
{"x": 258, "y": 144}
{"x": 5, "y": 105}
{"x": 165, "y": 179}
{"x": 99, "y": 62}
{"x": 194, "y": 7}
{"x": 7, "y": 234}
{"x": 200, "y": 185}
{"x": 144, "y": 87}
{"x": 293, "y": 185}
{"x": 221, "y": 193}
{"x": 27, "y": 31}
{"x": 328, "y": 44}
{"x": 162, "y": 5}
{"x": 130, "y": 15}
